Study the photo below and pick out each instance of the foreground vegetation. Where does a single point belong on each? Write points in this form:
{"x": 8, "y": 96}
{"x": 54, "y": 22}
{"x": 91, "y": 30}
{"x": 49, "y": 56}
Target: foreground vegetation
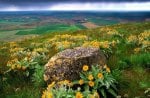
{"x": 126, "y": 46}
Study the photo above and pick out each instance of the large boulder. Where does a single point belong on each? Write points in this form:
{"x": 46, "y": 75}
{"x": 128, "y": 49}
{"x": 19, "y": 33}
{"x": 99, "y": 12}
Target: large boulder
{"x": 67, "y": 64}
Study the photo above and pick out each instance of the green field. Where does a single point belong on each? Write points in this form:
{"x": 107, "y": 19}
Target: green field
{"x": 49, "y": 29}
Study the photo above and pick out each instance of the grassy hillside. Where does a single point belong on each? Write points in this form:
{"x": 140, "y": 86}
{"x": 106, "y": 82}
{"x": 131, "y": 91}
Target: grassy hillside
{"x": 126, "y": 46}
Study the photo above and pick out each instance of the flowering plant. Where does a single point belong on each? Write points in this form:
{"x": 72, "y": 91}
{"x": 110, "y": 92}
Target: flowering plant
{"x": 93, "y": 84}
{"x": 98, "y": 79}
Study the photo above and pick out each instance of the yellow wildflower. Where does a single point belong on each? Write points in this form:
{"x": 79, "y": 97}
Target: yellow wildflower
{"x": 105, "y": 66}
{"x": 51, "y": 85}
{"x": 91, "y": 83}
{"x": 81, "y": 81}
{"x": 13, "y": 67}
{"x": 18, "y": 66}
{"x": 85, "y": 68}
{"x": 79, "y": 95}
{"x": 146, "y": 43}
{"x": 90, "y": 77}
{"x": 44, "y": 94}
{"x": 66, "y": 81}
{"x": 132, "y": 38}
{"x": 49, "y": 95}
{"x": 96, "y": 95}
{"x": 108, "y": 69}
{"x": 92, "y": 96}
{"x": 136, "y": 50}
{"x": 100, "y": 75}
{"x": 113, "y": 43}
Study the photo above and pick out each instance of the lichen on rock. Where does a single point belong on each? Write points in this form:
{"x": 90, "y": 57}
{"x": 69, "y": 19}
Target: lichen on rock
{"x": 67, "y": 65}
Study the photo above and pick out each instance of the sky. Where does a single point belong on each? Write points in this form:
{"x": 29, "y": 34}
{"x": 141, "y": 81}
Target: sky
{"x": 75, "y": 5}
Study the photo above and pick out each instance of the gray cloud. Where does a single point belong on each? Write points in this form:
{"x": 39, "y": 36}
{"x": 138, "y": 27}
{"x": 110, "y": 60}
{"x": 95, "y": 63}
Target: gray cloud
{"x": 80, "y": 6}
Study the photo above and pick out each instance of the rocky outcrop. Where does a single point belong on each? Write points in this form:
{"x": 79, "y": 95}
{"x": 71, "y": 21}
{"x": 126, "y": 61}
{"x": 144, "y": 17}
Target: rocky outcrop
{"x": 68, "y": 63}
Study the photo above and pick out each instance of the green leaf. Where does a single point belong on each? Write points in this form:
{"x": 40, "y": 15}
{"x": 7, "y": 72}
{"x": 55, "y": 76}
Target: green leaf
{"x": 83, "y": 76}
{"x": 114, "y": 87}
{"x": 103, "y": 93}
{"x": 111, "y": 91}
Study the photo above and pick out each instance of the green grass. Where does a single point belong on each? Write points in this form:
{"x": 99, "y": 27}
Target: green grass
{"x": 7, "y": 35}
{"x": 50, "y": 28}
{"x": 142, "y": 60}
{"x": 24, "y": 92}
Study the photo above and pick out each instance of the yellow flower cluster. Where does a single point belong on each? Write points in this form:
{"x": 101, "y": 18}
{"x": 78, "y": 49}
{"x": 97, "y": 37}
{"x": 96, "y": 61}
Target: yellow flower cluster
{"x": 107, "y": 68}
{"x": 41, "y": 50}
{"x": 47, "y": 94}
{"x": 76, "y": 94}
{"x": 36, "y": 44}
{"x": 65, "y": 82}
{"x": 137, "y": 50}
{"x": 97, "y": 44}
{"x": 13, "y": 50}
{"x": 113, "y": 32}
{"x": 66, "y": 41}
{"x": 63, "y": 44}
{"x": 90, "y": 76}
{"x": 67, "y": 37}
{"x": 14, "y": 64}
{"x": 107, "y": 29}
{"x": 132, "y": 38}
{"x": 13, "y": 44}
{"x": 144, "y": 35}
{"x": 142, "y": 40}
{"x": 17, "y": 55}
{"x": 51, "y": 85}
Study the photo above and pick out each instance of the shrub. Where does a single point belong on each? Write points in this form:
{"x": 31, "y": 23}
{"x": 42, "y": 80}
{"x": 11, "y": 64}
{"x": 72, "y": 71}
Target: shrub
{"x": 37, "y": 76}
{"x": 124, "y": 63}
{"x": 99, "y": 79}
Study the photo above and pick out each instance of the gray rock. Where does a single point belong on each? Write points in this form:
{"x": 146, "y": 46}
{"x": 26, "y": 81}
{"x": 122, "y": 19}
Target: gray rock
{"x": 67, "y": 64}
